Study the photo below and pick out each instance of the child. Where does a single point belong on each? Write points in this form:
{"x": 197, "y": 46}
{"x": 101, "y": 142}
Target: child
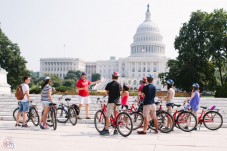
{"x": 195, "y": 98}
{"x": 124, "y": 97}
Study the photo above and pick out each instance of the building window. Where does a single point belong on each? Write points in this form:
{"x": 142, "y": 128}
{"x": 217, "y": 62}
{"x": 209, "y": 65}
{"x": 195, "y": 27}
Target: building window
{"x": 144, "y": 69}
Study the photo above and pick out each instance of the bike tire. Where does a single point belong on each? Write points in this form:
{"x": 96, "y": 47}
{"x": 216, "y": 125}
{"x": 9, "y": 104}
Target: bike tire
{"x": 217, "y": 114}
{"x": 62, "y": 115}
{"x": 99, "y": 121}
{"x": 54, "y": 119}
{"x": 124, "y": 119}
{"x": 162, "y": 121}
{"x": 137, "y": 117}
{"x": 21, "y": 116}
{"x": 72, "y": 116}
{"x": 33, "y": 113}
{"x": 186, "y": 115}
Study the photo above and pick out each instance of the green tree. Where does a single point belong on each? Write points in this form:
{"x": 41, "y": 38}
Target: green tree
{"x": 216, "y": 23}
{"x": 194, "y": 63}
{"x": 95, "y": 77}
{"x": 73, "y": 75}
{"x": 12, "y": 61}
{"x": 69, "y": 83}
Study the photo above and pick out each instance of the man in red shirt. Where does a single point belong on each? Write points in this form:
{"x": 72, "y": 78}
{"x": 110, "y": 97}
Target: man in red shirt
{"x": 83, "y": 93}
{"x": 140, "y": 96}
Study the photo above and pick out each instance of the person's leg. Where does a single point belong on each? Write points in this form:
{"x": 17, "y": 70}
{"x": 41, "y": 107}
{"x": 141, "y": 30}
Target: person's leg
{"x": 19, "y": 114}
{"x": 45, "y": 113}
{"x": 169, "y": 121}
{"x": 25, "y": 111}
{"x": 81, "y": 102}
{"x": 87, "y": 102}
{"x": 153, "y": 116}
{"x": 146, "y": 119}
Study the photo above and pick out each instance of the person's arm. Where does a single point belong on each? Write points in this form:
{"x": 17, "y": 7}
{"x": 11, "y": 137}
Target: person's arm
{"x": 189, "y": 99}
{"x": 92, "y": 83}
{"x": 50, "y": 96}
{"x": 27, "y": 94}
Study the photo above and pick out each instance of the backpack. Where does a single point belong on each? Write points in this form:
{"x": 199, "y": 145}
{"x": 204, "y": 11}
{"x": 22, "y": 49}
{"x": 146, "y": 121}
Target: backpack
{"x": 77, "y": 109}
{"x": 19, "y": 93}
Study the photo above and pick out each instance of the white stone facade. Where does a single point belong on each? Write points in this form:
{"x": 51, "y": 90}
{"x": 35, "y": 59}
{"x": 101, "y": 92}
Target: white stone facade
{"x": 60, "y": 66}
{"x": 5, "y": 88}
{"x": 147, "y": 57}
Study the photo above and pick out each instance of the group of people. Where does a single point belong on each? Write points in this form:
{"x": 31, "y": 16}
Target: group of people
{"x": 117, "y": 95}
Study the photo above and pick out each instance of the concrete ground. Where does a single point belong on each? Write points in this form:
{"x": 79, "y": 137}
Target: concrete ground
{"x": 85, "y": 138}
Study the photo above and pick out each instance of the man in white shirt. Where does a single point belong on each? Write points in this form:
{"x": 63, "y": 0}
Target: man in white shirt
{"x": 24, "y": 103}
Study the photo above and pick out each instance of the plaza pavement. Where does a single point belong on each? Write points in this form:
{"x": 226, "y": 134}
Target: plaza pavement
{"x": 84, "y": 137}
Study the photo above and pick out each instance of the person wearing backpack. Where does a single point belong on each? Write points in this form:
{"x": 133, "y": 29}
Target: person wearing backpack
{"x": 22, "y": 95}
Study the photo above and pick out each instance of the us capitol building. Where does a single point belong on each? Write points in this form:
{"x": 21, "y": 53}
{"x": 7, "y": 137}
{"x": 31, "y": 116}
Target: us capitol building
{"x": 147, "y": 57}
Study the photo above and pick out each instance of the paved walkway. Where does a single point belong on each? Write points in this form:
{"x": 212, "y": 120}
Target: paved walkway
{"x": 85, "y": 138}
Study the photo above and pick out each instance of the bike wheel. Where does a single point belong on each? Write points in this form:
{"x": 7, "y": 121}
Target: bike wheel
{"x": 54, "y": 119}
{"x": 72, "y": 116}
{"x": 20, "y": 117}
{"x": 34, "y": 116}
{"x": 212, "y": 120}
{"x": 137, "y": 119}
{"x": 124, "y": 124}
{"x": 165, "y": 122}
{"x": 62, "y": 115}
{"x": 99, "y": 120}
{"x": 186, "y": 121}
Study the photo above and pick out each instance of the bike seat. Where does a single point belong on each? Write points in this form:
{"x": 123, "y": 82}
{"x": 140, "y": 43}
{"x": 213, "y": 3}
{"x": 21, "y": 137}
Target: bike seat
{"x": 157, "y": 103}
{"x": 67, "y": 99}
{"x": 177, "y": 105}
{"x": 52, "y": 104}
{"x": 203, "y": 107}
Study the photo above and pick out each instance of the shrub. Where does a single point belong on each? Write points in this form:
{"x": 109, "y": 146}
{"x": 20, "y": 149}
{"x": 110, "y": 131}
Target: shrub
{"x": 63, "y": 89}
{"x": 221, "y": 92}
{"x": 35, "y": 90}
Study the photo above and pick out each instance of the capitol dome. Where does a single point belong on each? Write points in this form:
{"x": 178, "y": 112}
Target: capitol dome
{"x": 148, "y": 39}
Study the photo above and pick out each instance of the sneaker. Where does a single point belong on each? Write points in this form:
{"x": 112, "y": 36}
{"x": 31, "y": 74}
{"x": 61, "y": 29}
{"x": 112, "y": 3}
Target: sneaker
{"x": 195, "y": 129}
{"x": 156, "y": 131}
{"x": 17, "y": 125}
{"x": 25, "y": 125}
{"x": 115, "y": 132}
{"x": 141, "y": 132}
{"x": 105, "y": 133}
{"x": 46, "y": 126}
{"x": 79, "y": 118}
{"x": 41, "y": 126}
{"x": 88, "y": 118}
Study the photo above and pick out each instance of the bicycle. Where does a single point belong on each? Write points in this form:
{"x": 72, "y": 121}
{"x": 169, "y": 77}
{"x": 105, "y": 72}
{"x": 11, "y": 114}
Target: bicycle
{"x": 121, "y": 122}
{"x": 51, "y": 116}
{"x": 211, "y": 118}
{"x": 136, "y": 116}
{"x": 66, "y": 112}
{"x": 184, "y": 119}
{"x": 32, "y": 114}
{"x": 164, "y": 118}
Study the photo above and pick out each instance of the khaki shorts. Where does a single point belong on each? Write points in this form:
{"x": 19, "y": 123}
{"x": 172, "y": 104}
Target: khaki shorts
{"x": 111, "y": 107}
{"x": 149, "y": 110}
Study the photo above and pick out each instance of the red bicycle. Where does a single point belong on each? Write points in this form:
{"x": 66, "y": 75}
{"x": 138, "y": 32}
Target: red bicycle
{"x": 121, "y": 122}
{"x": 184, "y": 119}
{"x": 211, "y": 118}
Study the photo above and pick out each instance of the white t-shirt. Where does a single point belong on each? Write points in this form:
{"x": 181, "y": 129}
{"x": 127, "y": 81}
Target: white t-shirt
{"x": 171, "y": 90}
{"x": 25, "y": 88}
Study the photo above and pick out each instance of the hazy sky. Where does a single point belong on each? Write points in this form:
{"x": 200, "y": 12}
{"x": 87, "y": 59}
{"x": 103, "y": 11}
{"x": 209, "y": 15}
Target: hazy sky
{"x": 91, "y": 29}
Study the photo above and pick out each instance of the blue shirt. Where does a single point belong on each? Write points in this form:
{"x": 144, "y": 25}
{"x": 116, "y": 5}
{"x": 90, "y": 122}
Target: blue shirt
{"x": 150, "y": 92}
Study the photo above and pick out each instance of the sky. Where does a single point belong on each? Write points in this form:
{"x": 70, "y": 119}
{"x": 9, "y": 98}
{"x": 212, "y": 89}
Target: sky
{"x": 91, "y": 29}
